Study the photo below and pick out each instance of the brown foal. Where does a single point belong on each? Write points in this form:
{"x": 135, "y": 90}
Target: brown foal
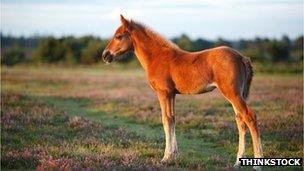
{"x": 172, "y": 71}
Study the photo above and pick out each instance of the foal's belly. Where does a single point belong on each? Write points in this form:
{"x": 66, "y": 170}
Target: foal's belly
{"x": 192, "y": 79}
{"x": 195, "y": 89}
{"x": 207, "y": 88}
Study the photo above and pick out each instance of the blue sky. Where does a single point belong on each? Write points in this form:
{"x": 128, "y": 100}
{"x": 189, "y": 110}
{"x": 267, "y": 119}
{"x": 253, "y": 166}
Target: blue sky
{"x": 230, "y": 19}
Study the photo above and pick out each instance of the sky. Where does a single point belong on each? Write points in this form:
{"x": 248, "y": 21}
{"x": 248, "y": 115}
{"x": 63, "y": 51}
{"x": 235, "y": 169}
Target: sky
{"x": 209, "y": 19}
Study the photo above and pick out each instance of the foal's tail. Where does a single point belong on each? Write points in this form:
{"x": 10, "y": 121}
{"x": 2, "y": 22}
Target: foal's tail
{"x": 248, "y": 76}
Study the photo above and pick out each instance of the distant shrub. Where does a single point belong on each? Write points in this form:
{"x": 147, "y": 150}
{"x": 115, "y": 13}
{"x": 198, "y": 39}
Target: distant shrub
{"x": 49, "y": 50}
{"x": 88, "y": 49}
{"x": 184, "y": 42}
{"x": 278, "y": 50}
{"x": 91, "y": 53}
{"x": 297, "y": 49}
{"x": 254, "y": 54}
{"x": 13, "y": 56}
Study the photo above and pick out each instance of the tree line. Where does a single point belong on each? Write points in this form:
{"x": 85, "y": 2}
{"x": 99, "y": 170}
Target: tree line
{"x": 88, "y": 49}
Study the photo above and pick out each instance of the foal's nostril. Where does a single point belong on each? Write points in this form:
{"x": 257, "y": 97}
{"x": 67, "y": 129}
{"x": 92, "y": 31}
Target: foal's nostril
{"x": 104, "y": 55}
{"x": 107, "y": 57}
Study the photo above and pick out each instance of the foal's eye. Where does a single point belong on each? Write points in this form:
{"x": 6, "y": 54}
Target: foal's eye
{"x": 119, "y": 37}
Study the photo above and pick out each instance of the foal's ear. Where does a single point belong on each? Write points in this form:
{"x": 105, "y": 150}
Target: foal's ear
{"x": 124, "y": 22}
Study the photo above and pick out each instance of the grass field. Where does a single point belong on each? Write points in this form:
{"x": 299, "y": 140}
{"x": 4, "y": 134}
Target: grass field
{"x": 109, "y": 118}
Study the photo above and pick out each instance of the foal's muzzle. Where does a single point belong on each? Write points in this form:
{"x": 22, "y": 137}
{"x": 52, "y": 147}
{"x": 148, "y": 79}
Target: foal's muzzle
{"x": 107, "y": 57}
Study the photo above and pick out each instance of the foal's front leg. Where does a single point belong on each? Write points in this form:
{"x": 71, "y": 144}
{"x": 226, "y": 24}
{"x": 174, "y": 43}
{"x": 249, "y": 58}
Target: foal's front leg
{"x": 166, "y": 101}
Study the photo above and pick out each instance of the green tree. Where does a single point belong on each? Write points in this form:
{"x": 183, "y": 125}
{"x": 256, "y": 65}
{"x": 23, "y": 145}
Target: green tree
{"x": 278, "y": 50}
{"x": 252, "y": 53}
{"x": 297, "y": 49}
{"x": 184, "y": 42}
{"x": 222, "y": 42}
{"x": 91, "y": 53}
{"x": 70, "y": 53}
{"x": 49, "y": 50}
{"x": 13, "y": 56}
{"x": 201, "y": 44}
{"x": 261, "y": 45}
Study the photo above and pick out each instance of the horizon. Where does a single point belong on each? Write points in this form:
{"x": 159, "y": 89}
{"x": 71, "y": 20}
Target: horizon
{"x": 168, "y": 38}
{"x": 229, "y": 20}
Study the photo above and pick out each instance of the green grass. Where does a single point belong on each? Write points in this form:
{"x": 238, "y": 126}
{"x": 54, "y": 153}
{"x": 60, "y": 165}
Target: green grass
{"x": 109, "y": 118}
{"x": 281, "y": 68}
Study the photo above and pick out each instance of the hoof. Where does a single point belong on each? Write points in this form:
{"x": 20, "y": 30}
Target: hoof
{"x": 169, "y": 158}
{"x": 237, "y": 166}
{"x": 167, "y": 161}
{"x": 257, "y": 168}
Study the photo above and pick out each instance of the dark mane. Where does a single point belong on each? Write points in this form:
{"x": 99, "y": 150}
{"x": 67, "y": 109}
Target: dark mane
{"x": 157, "y": 38}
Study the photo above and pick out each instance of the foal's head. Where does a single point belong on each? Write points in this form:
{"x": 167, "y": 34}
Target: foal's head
{"x": 120, "y": 44}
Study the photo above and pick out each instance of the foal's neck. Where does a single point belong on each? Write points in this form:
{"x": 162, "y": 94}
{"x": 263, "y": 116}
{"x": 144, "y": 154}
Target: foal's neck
{"x": 148, "y": 48}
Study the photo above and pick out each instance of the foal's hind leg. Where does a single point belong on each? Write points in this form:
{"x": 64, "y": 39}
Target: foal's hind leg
{"x": 250, "y": 119}
{"x": 242, "y": 141}
{"x": 242, "y": 111}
